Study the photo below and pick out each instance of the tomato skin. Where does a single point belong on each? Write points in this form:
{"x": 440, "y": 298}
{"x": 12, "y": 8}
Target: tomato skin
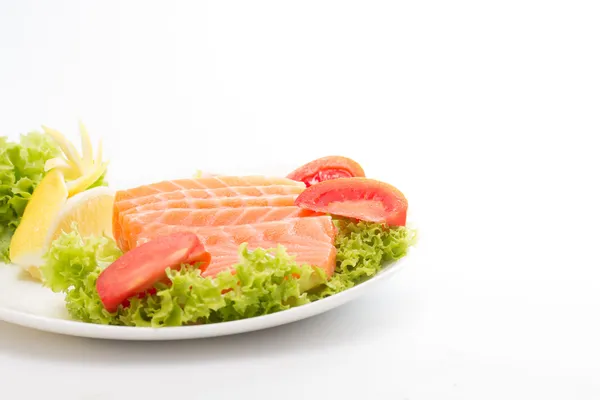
{"x": 327, "y": 168}
{"x": 359, "y": 198}
{"x": 199, "y": 255}
{"x": 139, "y": 269}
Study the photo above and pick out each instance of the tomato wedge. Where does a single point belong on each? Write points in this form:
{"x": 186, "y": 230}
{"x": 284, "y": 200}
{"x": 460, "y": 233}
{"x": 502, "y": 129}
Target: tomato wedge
{"x": 327, "y": 168}
{"x": 139, "y": 269}
{"x": 359, "y": 198}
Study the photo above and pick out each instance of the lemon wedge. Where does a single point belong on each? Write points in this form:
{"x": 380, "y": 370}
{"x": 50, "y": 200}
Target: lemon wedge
{"x": 29, "y": 241}
{"x": 49, "y": 213}
{"x": 91, "y": 211}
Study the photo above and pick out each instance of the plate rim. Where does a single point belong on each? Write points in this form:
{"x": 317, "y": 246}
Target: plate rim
{"x": 129, "y": 333}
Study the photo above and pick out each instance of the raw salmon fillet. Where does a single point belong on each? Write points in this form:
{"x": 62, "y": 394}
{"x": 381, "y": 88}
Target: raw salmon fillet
{"x": 239, "y": 201}
{"x": 133, "y": 224}
{"x": 204, "y": 183}
{"x": 311, "y": 252}
{"x": 319, "y": 228}
{"x": 224, "y": 212}
{"x": 232, "y": 191}
{"x": 193, "y": 204}
{"x": 309, "y": 239}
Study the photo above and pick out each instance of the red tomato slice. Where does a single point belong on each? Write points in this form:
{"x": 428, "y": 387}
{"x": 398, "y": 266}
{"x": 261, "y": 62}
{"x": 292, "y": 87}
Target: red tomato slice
{"x": 327, "y": 168}
{"x": 199, "y": 255}
{"x": 359, "y": 198}
{"x": 139, "y": 269}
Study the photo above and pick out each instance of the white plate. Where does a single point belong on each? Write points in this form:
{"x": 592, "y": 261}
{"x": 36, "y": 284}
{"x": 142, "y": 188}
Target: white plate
{"x": 26, "y": 302}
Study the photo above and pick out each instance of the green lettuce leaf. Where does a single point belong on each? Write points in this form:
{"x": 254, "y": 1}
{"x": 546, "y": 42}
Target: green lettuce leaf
{"x": 21, "y": 169}
{"x": 72, "y": 266}
{"x": 265, "y": 280}
{"x": 363, "y": 249}
{"x": 72, "y": 258}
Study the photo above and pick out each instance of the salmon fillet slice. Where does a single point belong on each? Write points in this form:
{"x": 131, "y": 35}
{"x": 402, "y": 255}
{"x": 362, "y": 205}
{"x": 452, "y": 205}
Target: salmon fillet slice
{"x": 204, "y": 183}
{"x": 133, "y": 224}
{"x": 225, "y": 256}
{"x": 293, "y": 230}
{"x": 309, "y": 239}
{"x": 232, "y": 191}
{"x": 193, "y": 204}
{"x": 246, "y": 201}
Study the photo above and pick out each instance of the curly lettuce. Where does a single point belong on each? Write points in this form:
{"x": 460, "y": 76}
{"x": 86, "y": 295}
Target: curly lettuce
{"x": 363, "y": 249}
{"x": 21, "y": 170}
{"x": 265, "y": 280}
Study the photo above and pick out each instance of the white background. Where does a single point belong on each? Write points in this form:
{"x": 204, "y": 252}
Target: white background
{"x": 484, "y": 113}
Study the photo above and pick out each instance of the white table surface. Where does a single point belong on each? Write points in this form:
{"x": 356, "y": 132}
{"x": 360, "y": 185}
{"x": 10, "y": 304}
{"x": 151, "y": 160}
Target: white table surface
{"x": 483, "y": 113}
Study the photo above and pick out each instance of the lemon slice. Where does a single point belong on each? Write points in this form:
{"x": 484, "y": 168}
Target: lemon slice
{"x": 29, "y": 241}
{"x": 42, "y": 223}
{"x": 91, "y": 211}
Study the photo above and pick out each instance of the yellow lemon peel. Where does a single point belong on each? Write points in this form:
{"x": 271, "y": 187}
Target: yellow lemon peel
{"x": 80, "y": 171}
{"x": 84, "y": 182}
